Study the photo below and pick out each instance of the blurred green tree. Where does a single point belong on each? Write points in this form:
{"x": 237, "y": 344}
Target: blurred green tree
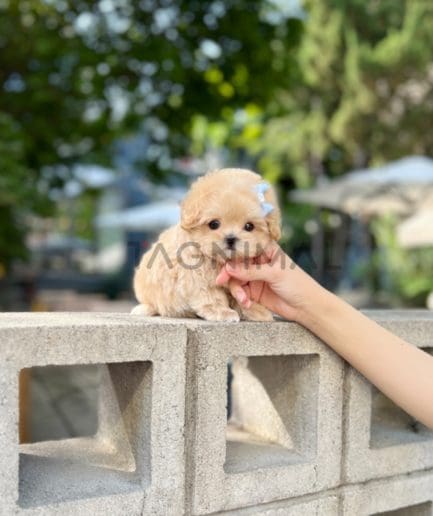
{"x": 363, "y": 95}
{"x": 405, "y": 274}
{"x": 74, "y": 75}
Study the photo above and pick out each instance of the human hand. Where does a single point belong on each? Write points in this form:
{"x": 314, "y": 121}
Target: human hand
{"x": 271, "y": 279}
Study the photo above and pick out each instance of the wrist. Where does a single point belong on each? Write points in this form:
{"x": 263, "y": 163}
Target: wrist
{"x": 318, "y": 306}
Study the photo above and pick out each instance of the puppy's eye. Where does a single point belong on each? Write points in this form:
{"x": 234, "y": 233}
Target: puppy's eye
{"x": 249, "y": 226}
{"x": 214, "y": 224}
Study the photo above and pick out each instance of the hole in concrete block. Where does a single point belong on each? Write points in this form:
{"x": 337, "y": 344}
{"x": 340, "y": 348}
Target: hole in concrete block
{"x": 59, "y": 402}
{"x": 272, "y": 411}
{"x": 391, "y": 425}
{"x": 112, "y": 454}
{"x": 422, "y": 509}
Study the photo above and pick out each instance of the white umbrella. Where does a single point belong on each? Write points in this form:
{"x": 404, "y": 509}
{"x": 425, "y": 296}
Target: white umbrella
{"x": 410, "y": 170}
{"x": 399, "y": 187}
{"x": 149, "y": 217}
{"x": 417, "y": 231}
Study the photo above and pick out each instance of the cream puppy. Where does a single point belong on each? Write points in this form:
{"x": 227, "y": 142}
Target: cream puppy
{"x": 228, "y": 214}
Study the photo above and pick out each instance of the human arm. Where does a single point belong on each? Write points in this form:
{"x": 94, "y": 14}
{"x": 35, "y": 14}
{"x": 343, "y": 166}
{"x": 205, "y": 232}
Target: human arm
{"x": 401, "y": 371}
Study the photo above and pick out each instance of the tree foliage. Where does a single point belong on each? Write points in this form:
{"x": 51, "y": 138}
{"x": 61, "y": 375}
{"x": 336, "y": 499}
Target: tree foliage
{"x": 364, "y": 94}
{"x": 405, "y": 274}
{"x": 74, "y": 75}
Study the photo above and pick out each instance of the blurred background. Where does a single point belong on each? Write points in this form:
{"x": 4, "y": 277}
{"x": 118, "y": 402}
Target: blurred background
{"x": 110, "y": 108}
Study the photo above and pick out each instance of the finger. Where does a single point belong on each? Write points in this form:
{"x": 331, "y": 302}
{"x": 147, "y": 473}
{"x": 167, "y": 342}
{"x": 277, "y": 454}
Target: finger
{"x": 235, "y": 287}
{"x": 250, "y": 272}
{"x": 223, "y": 277}
{"x": 256, "y": 290}
{"x": 247, "y": 289}
{"x": 239, "y": 293}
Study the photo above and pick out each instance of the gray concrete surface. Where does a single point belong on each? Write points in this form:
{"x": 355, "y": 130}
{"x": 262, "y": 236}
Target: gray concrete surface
{"x": 123, "y": 468}
{"x": 310, "y": 435}
{"x": 320, "y": 506}
{"x": 63, "y": 402}
{"x": 303, "y": 379}
{"x": 407, "y": 495}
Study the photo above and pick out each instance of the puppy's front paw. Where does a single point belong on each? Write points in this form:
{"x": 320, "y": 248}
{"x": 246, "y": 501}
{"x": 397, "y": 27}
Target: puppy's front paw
{"x": 142, "y": 310}
{"x": 224, "y": 314}
{"x": 257, "y": 313}
{"x": 219, "y": 314}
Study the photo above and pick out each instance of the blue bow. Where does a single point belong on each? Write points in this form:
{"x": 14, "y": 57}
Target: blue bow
{"x": 260, "y": 189}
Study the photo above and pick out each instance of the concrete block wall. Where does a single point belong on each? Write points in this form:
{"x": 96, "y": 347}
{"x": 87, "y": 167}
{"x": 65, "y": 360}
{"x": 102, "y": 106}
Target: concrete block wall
{"x": 303, "y": 379}
{"x": 135, "y": 462}
{"x": 307, "y": 433}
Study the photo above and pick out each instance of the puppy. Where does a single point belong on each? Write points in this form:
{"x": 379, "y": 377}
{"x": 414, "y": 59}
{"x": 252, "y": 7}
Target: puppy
{"x": 228, "y": 214}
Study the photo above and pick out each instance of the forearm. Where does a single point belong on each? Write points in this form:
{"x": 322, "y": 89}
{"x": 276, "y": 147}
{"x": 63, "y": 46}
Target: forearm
{"x": 401, "y": 371}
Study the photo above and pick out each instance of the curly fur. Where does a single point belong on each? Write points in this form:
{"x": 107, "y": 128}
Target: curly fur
{"x": 176, "y": 276}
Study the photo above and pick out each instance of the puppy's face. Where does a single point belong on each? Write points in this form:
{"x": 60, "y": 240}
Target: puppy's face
{"x": 223, "y": 214}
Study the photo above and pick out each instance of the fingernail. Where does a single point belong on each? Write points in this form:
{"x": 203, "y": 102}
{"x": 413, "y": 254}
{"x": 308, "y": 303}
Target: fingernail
{"x": 230, "y": 266}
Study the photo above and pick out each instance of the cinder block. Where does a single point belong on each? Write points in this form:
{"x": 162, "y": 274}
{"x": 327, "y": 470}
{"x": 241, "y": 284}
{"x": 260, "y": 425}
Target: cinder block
{"x": 135, "y": 462}
{"x": 321, "y": 506}
{"x": 409, "y": 495}
{"x": 8, "y": 436}
{"x": 302, "y": 379}
{"x": 380, "y": 440}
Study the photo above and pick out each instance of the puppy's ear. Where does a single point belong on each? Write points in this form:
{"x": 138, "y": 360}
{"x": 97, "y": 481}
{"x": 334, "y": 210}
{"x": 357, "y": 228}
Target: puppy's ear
{"x": 273, "y": 219}
{"x": 190, "y": 211}
{"x": 193, "y": 206}
{"x": 274, "y": 224}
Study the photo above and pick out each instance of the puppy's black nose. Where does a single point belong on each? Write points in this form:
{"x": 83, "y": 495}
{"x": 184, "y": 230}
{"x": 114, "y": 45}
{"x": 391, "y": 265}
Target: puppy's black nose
{"x": 231, "y": 241}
